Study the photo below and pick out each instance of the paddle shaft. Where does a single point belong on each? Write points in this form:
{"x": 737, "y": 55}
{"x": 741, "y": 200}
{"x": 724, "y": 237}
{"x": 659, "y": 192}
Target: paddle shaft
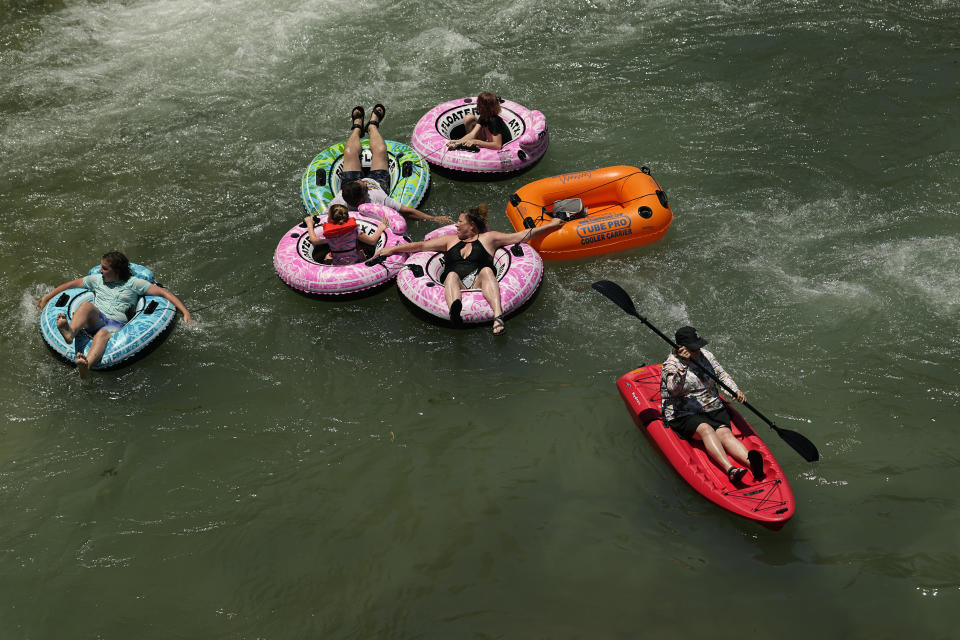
{"x": 715, "y": 378}
{"x": 621, "y": 298}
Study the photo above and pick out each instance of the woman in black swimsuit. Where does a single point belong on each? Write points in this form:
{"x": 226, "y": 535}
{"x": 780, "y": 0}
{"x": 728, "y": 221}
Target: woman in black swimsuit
{"x": 468, "y": 259}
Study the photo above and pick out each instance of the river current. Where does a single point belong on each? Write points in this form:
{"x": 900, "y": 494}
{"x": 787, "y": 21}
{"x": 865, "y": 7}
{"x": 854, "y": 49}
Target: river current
{"x": 292, "y": 468}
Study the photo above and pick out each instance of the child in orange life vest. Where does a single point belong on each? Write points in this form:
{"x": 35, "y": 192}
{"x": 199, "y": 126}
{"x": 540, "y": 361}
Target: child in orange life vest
{"x": 341, "y": 234}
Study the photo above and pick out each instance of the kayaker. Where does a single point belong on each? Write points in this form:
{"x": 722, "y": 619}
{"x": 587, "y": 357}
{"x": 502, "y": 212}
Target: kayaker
{"x": 468, "y": 259}
{"x": 693, "y": 408}
{"x": 375, "y": 186}
{"x": 486, "y": 130}
{"x": 115, "y": 289}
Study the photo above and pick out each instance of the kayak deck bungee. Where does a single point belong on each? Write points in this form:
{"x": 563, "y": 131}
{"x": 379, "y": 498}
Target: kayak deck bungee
{"x": 768, "y": 500}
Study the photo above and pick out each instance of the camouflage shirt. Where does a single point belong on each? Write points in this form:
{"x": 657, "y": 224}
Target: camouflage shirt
{"x": 687, "y": 390}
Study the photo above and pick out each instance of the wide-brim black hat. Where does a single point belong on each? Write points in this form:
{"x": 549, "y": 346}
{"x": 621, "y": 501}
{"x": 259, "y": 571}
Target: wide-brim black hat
{"x": 689, "y": 338}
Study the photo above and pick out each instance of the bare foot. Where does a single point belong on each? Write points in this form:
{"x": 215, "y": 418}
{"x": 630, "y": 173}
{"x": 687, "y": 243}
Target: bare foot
{"x": 83, "y": 367}
{"x": 63, "y": 325}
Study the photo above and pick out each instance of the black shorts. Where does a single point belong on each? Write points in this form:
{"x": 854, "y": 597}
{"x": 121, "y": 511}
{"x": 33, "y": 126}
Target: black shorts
{"x": 687, "y": 425}
{"x": 382, "y": 176}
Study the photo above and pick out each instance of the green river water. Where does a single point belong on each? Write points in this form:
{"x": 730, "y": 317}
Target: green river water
{"x": 293, "y": 468}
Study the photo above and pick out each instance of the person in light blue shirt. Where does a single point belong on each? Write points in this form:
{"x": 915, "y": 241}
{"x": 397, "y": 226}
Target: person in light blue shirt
{"x": 115, "y": 289}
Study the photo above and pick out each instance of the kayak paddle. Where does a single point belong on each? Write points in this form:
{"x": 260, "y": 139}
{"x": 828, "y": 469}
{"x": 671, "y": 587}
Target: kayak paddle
{"x": 798, "y": 441}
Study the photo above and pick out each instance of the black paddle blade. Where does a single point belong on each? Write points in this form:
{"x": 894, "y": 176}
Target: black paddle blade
{"x": 620, "y": 297}
{"x": 616, "y": 293}
{"x": 799, "y": 442}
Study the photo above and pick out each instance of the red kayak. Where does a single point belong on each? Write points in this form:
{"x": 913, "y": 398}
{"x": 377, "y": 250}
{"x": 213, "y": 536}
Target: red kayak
{"x": 768, "y": 501}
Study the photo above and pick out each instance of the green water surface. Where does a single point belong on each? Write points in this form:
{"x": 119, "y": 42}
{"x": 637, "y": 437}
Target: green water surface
{"x": 291, "y": 468}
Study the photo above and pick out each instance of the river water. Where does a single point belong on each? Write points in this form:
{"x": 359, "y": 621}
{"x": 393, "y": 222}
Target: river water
{"x": 291, "y": 468}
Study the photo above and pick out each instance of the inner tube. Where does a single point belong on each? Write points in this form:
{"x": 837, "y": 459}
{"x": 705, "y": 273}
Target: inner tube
{"x": 626, "y": 208}
{"x": 151, "y": 320}
{"x": 409, "y": 175}
{"x": 300, "y": 264}
{"x": 528, "y": 135}
{"x": 519, "y": 271}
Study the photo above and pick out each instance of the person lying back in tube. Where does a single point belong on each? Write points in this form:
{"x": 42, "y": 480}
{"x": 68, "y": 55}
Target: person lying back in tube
{"x": 115, "y": 289}
{"x": 358, "y": 189}
{"x": 468, "y": 259}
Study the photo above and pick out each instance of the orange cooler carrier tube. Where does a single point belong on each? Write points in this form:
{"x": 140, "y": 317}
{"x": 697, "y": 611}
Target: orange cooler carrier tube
{"x": 626, "y": 208}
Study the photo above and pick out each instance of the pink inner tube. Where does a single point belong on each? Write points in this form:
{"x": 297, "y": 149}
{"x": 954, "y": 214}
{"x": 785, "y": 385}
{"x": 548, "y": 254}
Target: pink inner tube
{"x": 529, "y": 138}
{"x": 519, "y": 271}
{"x": 294, "y": 262}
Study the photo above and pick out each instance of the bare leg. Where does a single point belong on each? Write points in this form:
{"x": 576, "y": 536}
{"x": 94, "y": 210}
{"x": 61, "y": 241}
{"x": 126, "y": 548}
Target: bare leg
{"x": 85, "y": 316}
{"x": 97, "y": 346}
{"x": 469, "y": 123}
{"x": 491, "y": 290}
{"x": 353, "y": 148}
{"x": 378, "y": 148}
{"x": 491, "y": 293}
{"x": 452, "y": 288}
{"x": 732, "y": 446}
{"x": 711, "y": 442}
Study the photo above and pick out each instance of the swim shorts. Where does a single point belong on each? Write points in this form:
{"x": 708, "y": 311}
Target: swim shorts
{"x": 686, "y": 426}
{"x": 103, "y": 322}
{"x": 382, "y": 177}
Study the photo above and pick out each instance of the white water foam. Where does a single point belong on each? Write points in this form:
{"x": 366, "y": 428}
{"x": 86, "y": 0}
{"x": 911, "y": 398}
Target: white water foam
{"x": 928, "y": 268}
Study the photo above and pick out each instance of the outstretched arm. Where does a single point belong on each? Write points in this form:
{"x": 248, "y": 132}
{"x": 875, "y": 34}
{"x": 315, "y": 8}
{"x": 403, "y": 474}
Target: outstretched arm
{"x": 498, "y": 239}
{"x": 440, "y": 243}
{"x": 73, "y": 284}
{"x": 416, "y": 214}
{"x": 154, "y": 290}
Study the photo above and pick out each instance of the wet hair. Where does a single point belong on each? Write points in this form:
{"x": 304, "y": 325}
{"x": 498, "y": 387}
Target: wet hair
{"x": 119, "y": 263}
{"x": 354, "y": 192}
{"x": 477, "y": 216}
{"x": 488, "y": 104}
{"x": 338, "y": 214}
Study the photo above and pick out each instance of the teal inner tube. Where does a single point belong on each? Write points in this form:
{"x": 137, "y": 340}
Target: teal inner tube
{"x": 409, "y": 175}
{"x": 150, "y": 321}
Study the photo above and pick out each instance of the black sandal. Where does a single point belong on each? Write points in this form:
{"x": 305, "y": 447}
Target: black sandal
{"x": 354, "y": 116}
{"x": 735, "y": 473}
{"x": 381, "y": 112}
{"x": 498, "y": 322}
{"x": 455, "y": 310}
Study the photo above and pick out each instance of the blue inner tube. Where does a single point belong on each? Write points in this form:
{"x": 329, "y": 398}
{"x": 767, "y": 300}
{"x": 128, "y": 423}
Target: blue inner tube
{"x": 151, "y": 320}
{"x": 409, "y": 175}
